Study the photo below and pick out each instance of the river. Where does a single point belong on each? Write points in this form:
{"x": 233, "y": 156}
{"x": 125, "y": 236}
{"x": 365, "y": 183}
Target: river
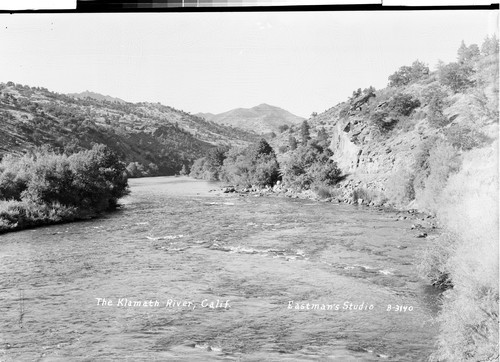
{"x": 181, "y": 273}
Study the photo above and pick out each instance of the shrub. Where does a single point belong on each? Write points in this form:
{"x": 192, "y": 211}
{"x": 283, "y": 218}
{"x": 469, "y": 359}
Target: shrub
{"x": 403, "y": 104}
{"x": 361, "y": 193}
{"x": 380, "y": 119}
{"x": 421, "y": 167}
{"x": 467, "y": 54}
{"x": 465, "y": 137}
{"x": 434, "y": 96}
{"x": 443, "y": 160}
{"x": 24, "y": 214}
{"x": 324, "y": 192}
{"x": 197, "y": 168}
{"x": 210, "y": 167}
{"x": 255, "y": 165}
{"x": 394, "y": 110}
{"x": 400, "y": 189}
{"x": 490, "y": 46}
{"x": 407, "y": 74}
{"x": 456, "y": 76}
{"x": 14, "y": 176}
{"x": 304, "y": 132}
{"x": 308, "y": 165}
{"x": 283, "y": 149}
{"x": 47, "y": 187}
{"x": 433, "y": 262}
{"x": 283, "y": 128}
{"x": 468, "y": 209}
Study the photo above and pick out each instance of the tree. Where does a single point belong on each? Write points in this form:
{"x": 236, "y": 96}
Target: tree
{"x": 407, "y": 74}
{"x": 435, "y": 97}
{"x": 467, "y": 54}
{"x": 356, "y": 93}
{"x": 457, "y": 76}
{"x": 322, "y": 138}
{"x": 292, "y": 142}
{"x": 216, "y": 156}
{"x": 261, "y": 148}
{"x": 309, "y": 165}
{"x": 283, "y": 128}
{"x": 256, "y": 165}
{"x": 419, "y": 70}
{"x": 490, "y": 46}
{"x": 304, "y": 132}
{"x": 401, "y": 77}
{"x": 403, "y": 104}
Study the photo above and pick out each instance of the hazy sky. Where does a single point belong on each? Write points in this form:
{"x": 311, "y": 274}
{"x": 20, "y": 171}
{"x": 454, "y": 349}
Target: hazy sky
{"x": 214, "y": 62}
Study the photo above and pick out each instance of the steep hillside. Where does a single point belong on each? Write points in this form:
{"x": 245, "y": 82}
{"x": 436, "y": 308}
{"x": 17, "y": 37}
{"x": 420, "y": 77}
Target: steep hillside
{"x": 379, "y": 138}
{"x": 151, "y": 138}
{"x": 428, "y": 141}
{"x": 261, "y": 119}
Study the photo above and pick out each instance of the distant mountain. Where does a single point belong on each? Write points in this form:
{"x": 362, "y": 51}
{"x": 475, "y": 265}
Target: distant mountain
{"x": 96, "y": 96}
{"x": 262, "y": 119}
{"x": 150, "y": 137}
{"x": 206, "y": 116}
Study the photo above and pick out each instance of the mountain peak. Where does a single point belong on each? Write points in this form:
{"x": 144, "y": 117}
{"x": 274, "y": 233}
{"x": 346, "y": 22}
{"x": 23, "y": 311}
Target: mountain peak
{"x": 263, "y": 118}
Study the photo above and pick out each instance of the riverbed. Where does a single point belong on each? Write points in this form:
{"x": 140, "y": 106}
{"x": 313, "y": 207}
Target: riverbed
{"x": 181, "y": 272}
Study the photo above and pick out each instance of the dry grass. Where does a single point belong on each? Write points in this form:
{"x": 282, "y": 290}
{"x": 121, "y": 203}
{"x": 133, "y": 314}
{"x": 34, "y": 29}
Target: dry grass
{"x": 399, "y": 188}
{"x": 469, "y": 209}
{"x": 442, "y": 162}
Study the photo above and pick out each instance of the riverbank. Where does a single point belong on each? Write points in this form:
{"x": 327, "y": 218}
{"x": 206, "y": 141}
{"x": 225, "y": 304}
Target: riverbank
{"x": 424, "y": 222}
{"x": 22, "y": 215}
{"x": 44, "y": 187}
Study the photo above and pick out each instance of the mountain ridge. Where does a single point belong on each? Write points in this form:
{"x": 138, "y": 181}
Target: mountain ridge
{"x": 96, "y": 96}
{"x": 263, "y": 118}
{"x": 155, "y": 139}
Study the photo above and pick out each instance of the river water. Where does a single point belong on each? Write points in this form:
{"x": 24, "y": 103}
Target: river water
{"x": 181, "y": 273}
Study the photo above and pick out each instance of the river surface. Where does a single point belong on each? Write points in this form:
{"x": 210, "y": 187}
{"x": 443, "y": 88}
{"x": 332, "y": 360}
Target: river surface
{"x": 183, "y": 274}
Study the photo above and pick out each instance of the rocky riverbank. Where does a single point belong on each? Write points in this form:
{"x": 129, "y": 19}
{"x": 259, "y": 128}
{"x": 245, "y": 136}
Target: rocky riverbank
{"x": 423, "y": 223}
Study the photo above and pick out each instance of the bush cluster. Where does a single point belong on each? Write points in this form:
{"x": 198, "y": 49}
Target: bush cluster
{"x": 435, "y": 97}
{"x": 435, "y": 162}
{"x": 209, "y": 167}
{"x": 457, "y": 76}
{"x": 306, "y": 166}
{"x": 407, "y": 74}
{"x": 310, "y": 165}
{"x": 253, "y": 166}
{"x": 398, "y": 107}
{"x": 84, "y": 183}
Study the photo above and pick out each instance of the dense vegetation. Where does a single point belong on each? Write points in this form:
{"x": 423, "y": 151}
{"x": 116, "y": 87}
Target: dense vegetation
{"x": 307, "y": 167}
{"x": 44, "y": 187}
{"x": 151, "y": 138}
